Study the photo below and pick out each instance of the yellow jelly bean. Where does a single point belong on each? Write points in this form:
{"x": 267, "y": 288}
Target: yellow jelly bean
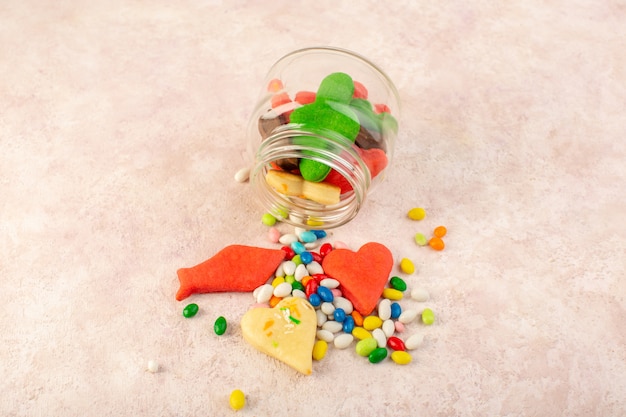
{"x": 360, "y": 333}
{"x": 401, "y": 357}
{"x": 237, "y": 399}
{"x": 319, "y": 350}
{"x": 392, "y": 294}
{"x": 417, "y": 213}
{"x": 278, "y": 280}
{"x": 372, "y": 322}
{"x": 406, "y": 265}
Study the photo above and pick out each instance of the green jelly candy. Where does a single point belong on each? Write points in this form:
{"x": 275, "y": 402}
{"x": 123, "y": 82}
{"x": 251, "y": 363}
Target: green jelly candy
{"x": 190, "y": 310}
{"x": 337, "y": 86}
{"x": 297, "y": 285}
{"x": 220, "y": 326}
{"x": 366, "y": 346}
{"x": 313, "y": 170}
{"x": 398, "y": 283}
{"x": 268, "y": 219}
{"x": 428, "y": 317}
{"x": 377, "y": 355}
{"x": 338, "y": 117}
{"x": 420, "y": 239}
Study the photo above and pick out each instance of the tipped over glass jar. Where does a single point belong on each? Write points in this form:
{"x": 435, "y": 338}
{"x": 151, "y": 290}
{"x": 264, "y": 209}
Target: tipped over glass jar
{"x": 321, "y": 136}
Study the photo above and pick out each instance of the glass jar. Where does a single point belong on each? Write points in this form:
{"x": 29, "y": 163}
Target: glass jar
{"x": 321, "y": 136}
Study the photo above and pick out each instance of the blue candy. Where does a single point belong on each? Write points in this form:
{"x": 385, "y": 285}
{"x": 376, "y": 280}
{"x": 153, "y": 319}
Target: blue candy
{"x": 339, "y": 315}
{"x": 325, "y": 294}
{"x": 308, "y": 236}
{"x": 396, "y": 310}
{"x": 315, "y": 300}
{"x": 319, "y": 233}
{"x": 348, "y": 324}
{"x": 298, "y": 247}
{"x": 306, "y": 257}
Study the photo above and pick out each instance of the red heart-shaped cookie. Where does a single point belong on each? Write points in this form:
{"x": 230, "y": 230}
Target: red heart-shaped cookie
{"x": 363, "y": 274}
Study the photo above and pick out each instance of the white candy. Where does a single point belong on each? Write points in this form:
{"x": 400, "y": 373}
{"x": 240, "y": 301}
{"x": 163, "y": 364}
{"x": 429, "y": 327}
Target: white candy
{"x": 333, "y": 326}
{"x": 314, "y": 268}
{"x": 321, "y": 318}
{"x": 407, "y": 316}
{"x": 327, "y": 308}
{"x": 298, "y": 232}
{"x": 420, "y": 294}
{"x": 279, "y": 271}
{"x": 414, "y": 341}
{"x": 289, "y": 267}
{"x": 242, "y": 175}
{"x": 343, "y": 340}
{"x": 298, "y": 293}
{"x": 329, "y": 283}
{"x": 153, "y": 366}
{"x": 311, "y": 245}
{"x": 301, "y": 272}
{"x": 389, "y": 327}
{"x": 264, "y": 293}
{"x": 283, "y": 290}
{"x": 288, "y": 239}
{"x": 384, "y": 309}
{"x": 325, "y": 335}
{"x": 343, "y": 303}
{"x": 381, "y": 338}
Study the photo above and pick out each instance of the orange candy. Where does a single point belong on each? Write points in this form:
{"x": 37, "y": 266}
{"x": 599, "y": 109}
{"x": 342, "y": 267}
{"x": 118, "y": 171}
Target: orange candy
{"x": 358, "y": 318}
{"x": 440, "y": 231}
{"x": 274, "y": 301}
{"x": 436, "y": 243}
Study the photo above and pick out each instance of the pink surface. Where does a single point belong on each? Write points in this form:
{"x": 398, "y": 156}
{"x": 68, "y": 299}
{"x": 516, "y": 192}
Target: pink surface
{"x": 122, "y": 125}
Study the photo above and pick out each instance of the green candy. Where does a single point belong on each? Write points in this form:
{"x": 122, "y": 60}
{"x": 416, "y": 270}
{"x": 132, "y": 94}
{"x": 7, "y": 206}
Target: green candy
{"x": 220, "y": 326}
{"x": 377, "y": 355}
{"x": 297, "y": 285}
{"x": 366, "y": 346}
{"x": 190, "y": 310}
{"x": 337, "y": 86}
{"x": 398, "y": 283}
{"x": 428, "y": 316}
{"x": 312, "y": 170}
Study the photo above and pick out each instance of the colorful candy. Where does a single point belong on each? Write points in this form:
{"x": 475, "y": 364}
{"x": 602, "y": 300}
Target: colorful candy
{"x": 319, "y": 349}
{"x": 401, "y": 357}
{"x": 366, "y": 346}
{"x": 428, "y": 316}
{"x": 417, "y": 213}
{"x": 377, "y": 355}
{"x": 436, "y": 243}
{"x": 237, "y": 400}
{"x": 190, "y": 310}
{"x": 219, "y": 327}
{"x": 407, "y": 266}
{"x": 397, "y": 283}
{"x": 440, "y": 231}
{"x": 153, "y": 366}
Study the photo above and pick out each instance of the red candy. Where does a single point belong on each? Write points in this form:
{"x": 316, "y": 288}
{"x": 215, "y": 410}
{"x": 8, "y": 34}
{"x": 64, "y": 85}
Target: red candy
{"x": 289, "y": 252}
{"x": 311, "y": 287}
{"x": 395, "y": 343}
{"x": 359, "y": 90}
{"x": 325, "y": 249}
{"x": 317, "y": 257}
{"x": 304, "y": 97}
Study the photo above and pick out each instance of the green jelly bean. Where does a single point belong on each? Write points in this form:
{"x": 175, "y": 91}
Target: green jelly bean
{"x": 377, "y": 355}
{"x": 428, "y": 316}
{"x": 220, "y": 326}
{"x": 290, "y": 279}
{"x": 297, "y": 285}
{"x": 313, "y": 170}
{"x": 268, "y": 219}
{"x": 190, "y": 310}
{"x": 337, "y": 86}
{"x": 366, "y": 346}
{"x": 420, "y": 239}
{"x": 398, "y": 283}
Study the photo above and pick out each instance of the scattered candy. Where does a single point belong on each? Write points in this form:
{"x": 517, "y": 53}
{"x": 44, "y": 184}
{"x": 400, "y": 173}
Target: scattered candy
{"x": 420, "y": 239}
{"x": 440, "y": 231}
{"x": 397, "y": 283}
{"x": 219, "y": 327}
{"x": 153, "y": 366}
{"x": 392, "y": 294}
{"x": 417, "y": 213}
{"x": 190, "y": 310}
{"x": 242, "y": 175}
{"x": 428, "y": 316}
{"x": 407, "y": 266}
{"x": 237, "y": 400}
{"x": 366, "y": 346}
{"x": 377, "y": 355}
{"x": 414, "y": 341}
{"x": 420, "y": 294}
{"x": 319, "y": 349}
{"x": 343, "y": 340}
{"x": 436, "y": 243}
{"x": 268, "y": 220}
{"x": 401, "y": 357}
{"x": 234, "y": 268}
{"x": 273, "y": 235}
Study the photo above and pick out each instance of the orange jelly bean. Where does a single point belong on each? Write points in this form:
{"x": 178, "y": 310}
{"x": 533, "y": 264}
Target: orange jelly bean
{"x": 440, "y": 231}
{"x": 436, "y": 243}
{"x": 358, "y": 318}
{"x": 274, "y": 301}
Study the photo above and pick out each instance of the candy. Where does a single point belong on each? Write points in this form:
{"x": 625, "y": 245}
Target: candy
{"x": 337, "y": 86}
{"x": 428, "y": 316}
{"x": 321, "y": 318}
{"x": 343, "y": 304}
{"x": 384, "y": 309}
{"x": 323, "y": 193}
{"x": 420, "y": 294}
{"x": 304, "y": 97}
{"x": 407, "y": 266}
{"x": 314, "y": 299}
{"x": 321, "y": 234}
{"x": 285, "y": 332}
{"x": 282, "y": 290}
{"x": 298, "y": 248}
{"x": 417, "y": 213}
{"x": 329, "y": 283}
{"x": 312, "y": 170}
{"x": 325, "y": 335}
{"x": 397, "y": 283}
{"x": 275, "y": 85}
{"x": 273, "y": 234}
{"x": 348, "y": 324}
{"x": 327, "y": 308}
{"x": 268, "y": 220}
{"x": 360, "y": 333}
{"x": 342, "y": 341}
{"x": 242, "y": 175}
{"x": 420, "y": 239}
{"x": 314, "y": 268}
{"x": 280, "y": 99}
{"x": 308, "y": 236}
{"x": 237, "y": 400}
{"x": 332, "y": 326}
{"x": 399, "y": 326}
{"x": 436, "y": 243}
{"x": 306, "y": 257}
{"x": 358, "y": 318}
{"x": 388, "y": 327}
{"x": 392, "y": 294}
{"x": 190, "y": 310}
{"x": 288, "y": 238}
{"x": 366, "y": 346}
{"x": 325, "y": 294}
{"x": 359, "y": 90}
{"x": 401, "y": 357}
{"x": 395, "y": 343}
{"x": 377, "y": 355}
{"x": 284, "y": 182}
{"x": 362, "y": 274}
{"x": 234, "y": 268}
{"x": 319, "y": 349}
{"x": 219, "y": 327}
{"x": 153, "y": 366}
{"x": 381, "y": 338}
{"x": 440, "y": 231}
{"x": 339, "y": 315}
{"x": 372, "y": 322}
{"x": 414, "y": 341}
{"x": 396, "y": 310}
{"x": 325, "y": 249}
{"x": 408, "y": 316}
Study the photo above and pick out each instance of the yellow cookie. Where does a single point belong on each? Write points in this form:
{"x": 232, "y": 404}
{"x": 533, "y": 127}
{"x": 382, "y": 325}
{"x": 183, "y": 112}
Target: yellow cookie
{"x": 285, "y": 332}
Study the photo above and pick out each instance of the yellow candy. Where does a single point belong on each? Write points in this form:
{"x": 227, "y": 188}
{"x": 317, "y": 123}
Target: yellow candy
{"x": 401, "y": 357}
{"x": 417, "y": 213}
{"x": 319, "y": 350}
{"x": 392, "y": 294}
{"x": 360, "y": 333}
{"x": 237, "y": 399}
{"x": 406, "y": 265}
{"x": 278, "y": 280}
{"x": 372, "y": 322}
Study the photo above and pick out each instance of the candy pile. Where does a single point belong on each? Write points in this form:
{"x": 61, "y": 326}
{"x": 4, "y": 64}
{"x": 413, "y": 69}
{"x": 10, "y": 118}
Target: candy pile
{"x": 340, "y": 105}
{"x": 436, "y": 241}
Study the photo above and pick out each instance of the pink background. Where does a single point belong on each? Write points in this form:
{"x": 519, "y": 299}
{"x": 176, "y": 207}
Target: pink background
{"x": 121, "y": 127}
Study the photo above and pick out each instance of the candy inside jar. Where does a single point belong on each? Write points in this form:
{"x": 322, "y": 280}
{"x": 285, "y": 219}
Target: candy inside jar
{"x": 322, "y": 136}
